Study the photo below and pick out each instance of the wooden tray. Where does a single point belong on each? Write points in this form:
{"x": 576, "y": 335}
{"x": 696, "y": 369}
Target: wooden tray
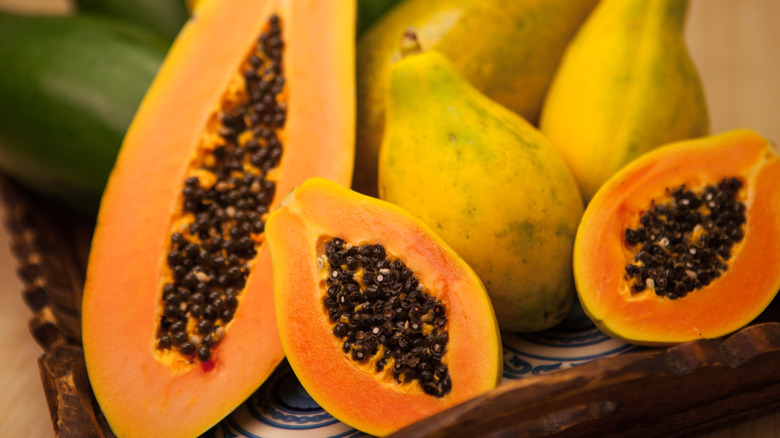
{"x": 677, "y": 391}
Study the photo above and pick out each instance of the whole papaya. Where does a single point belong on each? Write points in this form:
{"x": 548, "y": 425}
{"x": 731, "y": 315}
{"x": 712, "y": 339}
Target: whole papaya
{"x": 371, "y": 11}
{"x": 488, "y": 183}
{"x": 165, "y": 17}
{"x": 626, "y": 84}
{"x": 508, "y": 49}
{"x": 69, "y": 87}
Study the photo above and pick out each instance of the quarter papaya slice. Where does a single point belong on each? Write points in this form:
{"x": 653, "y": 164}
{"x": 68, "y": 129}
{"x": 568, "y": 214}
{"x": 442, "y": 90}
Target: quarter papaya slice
{"x": 683, "y": 243}
{"x": 178, "y": 319}
{"x": 381, "y": 321}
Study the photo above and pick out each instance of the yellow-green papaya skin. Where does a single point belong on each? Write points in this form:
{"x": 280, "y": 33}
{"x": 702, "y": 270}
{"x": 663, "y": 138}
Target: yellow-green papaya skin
{"x": 488, "y": 183}
{"x": 508, "y": 49}
{"x": 626, "y": 85}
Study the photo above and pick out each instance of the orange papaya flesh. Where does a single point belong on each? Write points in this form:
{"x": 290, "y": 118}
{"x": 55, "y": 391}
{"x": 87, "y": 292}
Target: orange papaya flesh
{"x": 178, "y": 317}
{"x": 723, "y": 246}
{"x": 363, "y": 366}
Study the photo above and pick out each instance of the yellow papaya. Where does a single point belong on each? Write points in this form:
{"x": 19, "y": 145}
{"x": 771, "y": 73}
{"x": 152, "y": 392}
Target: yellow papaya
{"x": 488, "y": 183}
{"x": 626, "y": 84}
{"x": 508, "y": 49}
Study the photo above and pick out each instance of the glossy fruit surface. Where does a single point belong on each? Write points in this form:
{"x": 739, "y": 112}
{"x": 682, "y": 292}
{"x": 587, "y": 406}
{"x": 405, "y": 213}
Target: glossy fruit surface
{"x": 182, "y": 218}
{"x": 626, "y": 84}
{"x": 362, "y": 393}
{"x": 508, "y": 49}
{"x": 747, "y": 276}
{"x": 488, "y": 183}
{"x": 69, "y": 89}
{"x": 165, "y": 17}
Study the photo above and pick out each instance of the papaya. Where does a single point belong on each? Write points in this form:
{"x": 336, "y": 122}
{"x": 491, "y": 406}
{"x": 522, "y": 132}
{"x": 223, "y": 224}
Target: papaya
{"x": 178, "y": 321}
{"x": 488, "y": 183}
{"x": 681, "y": 244}
{"x": 508, "y": 49}
{"x": 165, "y": 17}
{"x": 381, "y": 321}
{"x": 626, "y": 84}
{"x": 70, "y": 87}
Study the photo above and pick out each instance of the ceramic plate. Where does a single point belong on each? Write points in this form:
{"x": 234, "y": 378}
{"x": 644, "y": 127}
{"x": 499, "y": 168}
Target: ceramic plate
{"x": 282, "y": 408}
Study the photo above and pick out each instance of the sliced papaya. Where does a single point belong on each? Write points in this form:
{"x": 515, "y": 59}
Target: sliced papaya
{"x": 178, "y": 318}
{"x": 682, "y": 243}
{"x": 381, "y": 321}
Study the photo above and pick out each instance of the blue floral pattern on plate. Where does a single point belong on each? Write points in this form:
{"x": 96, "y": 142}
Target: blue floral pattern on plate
{"x": 282, "y": 408}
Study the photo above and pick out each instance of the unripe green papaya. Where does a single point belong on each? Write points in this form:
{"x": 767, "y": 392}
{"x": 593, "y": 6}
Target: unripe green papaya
{"x": 508, "y": 49}
{"x": 488, "y": 183}
{"x": 626, "y": 85}
{"x": 371, "y": 11}
{"x": 69, "y": 88}
{"x": 166, "y": 17}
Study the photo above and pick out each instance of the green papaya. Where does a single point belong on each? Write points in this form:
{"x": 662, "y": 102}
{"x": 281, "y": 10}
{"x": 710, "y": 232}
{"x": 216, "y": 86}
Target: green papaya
{"x": 69, "y": 88}
{"x": 370, "y": 11}
{"x": 166, "y": 17}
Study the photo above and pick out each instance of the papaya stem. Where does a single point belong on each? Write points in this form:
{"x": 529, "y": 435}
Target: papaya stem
{"x": 410, "y": 44}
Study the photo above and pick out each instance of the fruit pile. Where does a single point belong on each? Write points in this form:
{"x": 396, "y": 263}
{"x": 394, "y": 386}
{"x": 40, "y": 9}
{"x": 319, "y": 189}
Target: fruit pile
{"x": 375, "y": 190}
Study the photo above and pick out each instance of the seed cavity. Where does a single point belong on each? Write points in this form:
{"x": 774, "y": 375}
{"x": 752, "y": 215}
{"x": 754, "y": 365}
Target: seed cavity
{"x": 684, "y": 244}
{"x": 384, "y": 316}
{"x": 225, "y": 200}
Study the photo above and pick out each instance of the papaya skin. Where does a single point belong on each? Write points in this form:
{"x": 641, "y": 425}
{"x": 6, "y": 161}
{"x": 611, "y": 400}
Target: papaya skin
{"x": 488, "y": 183}
{"x": 626, "y": 84}
{"x": 729, "y": 302}
{"x": 139, "y": 394}
{"x": 371, "y": 11}
{"x": 60, "y": 143}
{"x": 351, "y": 393}
{"x": 164, "y": 17}
{"x": 508, "y": 49}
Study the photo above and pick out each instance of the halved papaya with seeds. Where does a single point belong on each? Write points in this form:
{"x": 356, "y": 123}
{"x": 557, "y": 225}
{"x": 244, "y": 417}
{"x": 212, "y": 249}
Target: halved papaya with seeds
{"x": 682, "y": 243}
{"x": 382, "y": 323}
{"x": 178, "y": 317}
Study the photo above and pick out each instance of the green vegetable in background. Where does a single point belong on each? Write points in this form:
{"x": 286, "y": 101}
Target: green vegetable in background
{"x": 165, "y": 17}
{"x": 69, "y": 88}
{"x": 370, "y": 11}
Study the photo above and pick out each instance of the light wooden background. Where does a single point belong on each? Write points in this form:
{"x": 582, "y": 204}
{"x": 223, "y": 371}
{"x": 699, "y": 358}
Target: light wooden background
{"x": 735, "y": 44}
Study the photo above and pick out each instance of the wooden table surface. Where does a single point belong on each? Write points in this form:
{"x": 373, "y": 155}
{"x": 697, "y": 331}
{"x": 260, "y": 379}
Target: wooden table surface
{"x": 736, "y": 46}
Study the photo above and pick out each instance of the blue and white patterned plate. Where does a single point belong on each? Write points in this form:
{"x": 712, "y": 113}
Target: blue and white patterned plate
{"x": 282, "y": 408}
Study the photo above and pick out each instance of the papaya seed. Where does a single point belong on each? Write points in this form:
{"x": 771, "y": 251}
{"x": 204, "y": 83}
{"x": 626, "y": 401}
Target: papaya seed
{"x": 683, "y": 244}
{"x": 223, "y": 202}
{"x": 373, "y": 299}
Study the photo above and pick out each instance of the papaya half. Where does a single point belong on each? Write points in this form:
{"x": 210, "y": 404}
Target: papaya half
{"x": 683, "y": 243}
{"x": 178, "y": 319}
{"x": 381, "y": 321}
{"x": 69, "y": 88}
